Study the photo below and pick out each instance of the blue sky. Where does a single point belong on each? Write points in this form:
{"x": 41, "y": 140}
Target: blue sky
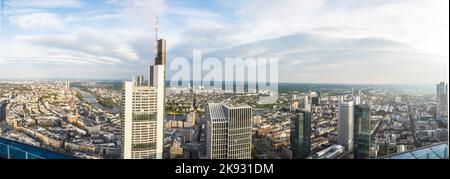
{"x": 317, "y": 41}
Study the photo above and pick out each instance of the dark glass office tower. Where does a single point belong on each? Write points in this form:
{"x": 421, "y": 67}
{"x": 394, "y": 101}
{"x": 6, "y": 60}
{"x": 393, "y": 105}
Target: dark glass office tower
{"x": 362, "y": 131}
{"x": 301, "y": 135}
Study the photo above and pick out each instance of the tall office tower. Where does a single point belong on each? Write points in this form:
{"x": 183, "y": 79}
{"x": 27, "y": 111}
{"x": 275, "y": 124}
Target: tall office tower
{"x": 67, "y": 85}
{"x": 315, "y": 99}
{"x": 356, "y": 99}
{"x": 143, "y": 115}
{"x": 160, "y": 53}
{"x": 442, "y": 99}
{"x": 142, "y": 118}
{"x": 160, "y": 58}
{"x": 301, "y": 135}
{"x": 362, "y": 131}
{"x": 3, "y": 104}
{"x": 3, "y": 123}
{"x": 306, "y": 105}
{"x": 229, "y": 131}
{"x": 345, "y": 124}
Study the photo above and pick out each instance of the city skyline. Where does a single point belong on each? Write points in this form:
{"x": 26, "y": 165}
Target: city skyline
{"x": 73, "y": 39}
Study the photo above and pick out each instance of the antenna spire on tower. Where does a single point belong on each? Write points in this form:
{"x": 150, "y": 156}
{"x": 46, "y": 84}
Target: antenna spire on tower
{"x": 156, "y": 28}
{"x": 156, "y": 37}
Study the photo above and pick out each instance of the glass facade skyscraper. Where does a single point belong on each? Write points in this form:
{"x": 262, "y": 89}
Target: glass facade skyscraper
{"x": 362, "y": 131}
{"x": 229, "y": 131}
{"x": 442, "y": 99}
{"x": 301, "y": 135}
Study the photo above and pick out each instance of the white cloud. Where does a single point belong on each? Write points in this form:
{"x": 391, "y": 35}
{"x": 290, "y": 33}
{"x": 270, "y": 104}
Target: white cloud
{"x": 37, "y": 20}
{"x": 140, "y": 11}
{"x": 89, "y": 41}
{"x": 315, "y": 58}
{"x": 420, "y": 23}
{"x": 42, "y": 3}
{"x": 125, "y": 35}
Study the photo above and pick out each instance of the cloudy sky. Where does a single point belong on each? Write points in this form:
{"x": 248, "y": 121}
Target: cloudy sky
{"x": 316, "y": 41}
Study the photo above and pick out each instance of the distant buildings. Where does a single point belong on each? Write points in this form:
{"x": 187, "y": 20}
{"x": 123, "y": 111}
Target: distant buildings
{"x": 229, "y": 130}
{"x": 442, "y": 99}
{"x": 345, "y": 124}
{"x": 362, "y": 131}
{"x": 301, "y": 135}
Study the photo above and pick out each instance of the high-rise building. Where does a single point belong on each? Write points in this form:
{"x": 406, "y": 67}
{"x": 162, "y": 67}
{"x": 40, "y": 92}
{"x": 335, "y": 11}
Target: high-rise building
{"x": 3, "y": 122}
{"x": 315, "y": 99}
{"x": 442, "y": 99}
{"x": 306, "y": 103}
{"x": 67, "y": 85}
{"x": 362, "y": 131}
{"x": 160, "y": 58}
{"x": 142, "y": 114}
{"x": 301, "y": 135}
{"x": 3, "y": 104}
{"x": 142, "y": 118}
{"x": 345, "y": 124}
{"x": 356, "y": 100}
{"x": 160, "y": 53}
{"x": 229, "y": 131}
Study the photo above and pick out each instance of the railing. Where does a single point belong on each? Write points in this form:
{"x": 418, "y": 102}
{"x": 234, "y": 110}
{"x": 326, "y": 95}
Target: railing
{"x": 10, "y": 152}
{"x": 10, "y": 149}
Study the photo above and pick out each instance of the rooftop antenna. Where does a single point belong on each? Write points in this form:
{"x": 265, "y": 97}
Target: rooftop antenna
{"x": 156, "y": 28}
{"x": 156, "y": 35}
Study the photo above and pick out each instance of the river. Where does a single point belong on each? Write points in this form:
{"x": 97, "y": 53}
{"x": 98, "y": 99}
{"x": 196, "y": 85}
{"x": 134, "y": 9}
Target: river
{"x": 91, "y": 99}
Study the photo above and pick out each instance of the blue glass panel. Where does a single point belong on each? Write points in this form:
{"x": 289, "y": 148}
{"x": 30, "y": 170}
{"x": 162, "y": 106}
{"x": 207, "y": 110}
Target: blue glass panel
{"x": 440, "y": 150}
{"x": 403, "y": 156}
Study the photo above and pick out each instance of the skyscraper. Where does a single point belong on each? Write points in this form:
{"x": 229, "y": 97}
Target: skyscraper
{"x": 306, "y": 104}
{"x": 142, "y": 117}
{"x": 3, "y": 124}
{"x": 442, "y": 99}
{"x": 362, "y": 131}
{"x": 142, "y": 114}
{"x": 3, "y": 104}
{"x": 345, "y": 124}
{"x": 301, "y": 135}
{"x": 67, "y": 85}
{"x": 160, "y": 58}
{"x": 160, "y": 53}
{"x": 229, "y": 131}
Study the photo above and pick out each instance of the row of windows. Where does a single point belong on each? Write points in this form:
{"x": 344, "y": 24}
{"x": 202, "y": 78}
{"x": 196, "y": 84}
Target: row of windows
{"x": 144, "y": 117}
{"x": 144, "y": 154}
{"x": 143, "y": 146}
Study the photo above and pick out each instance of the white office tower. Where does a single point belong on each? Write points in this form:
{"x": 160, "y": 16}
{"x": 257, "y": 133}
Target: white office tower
{"x": 229, "y": 131}
{"x": 356, "y": 100}
{"x": 306, "y": 104}
{"x": 142, "y": 117}
{"x": 345, "y": 124}
{"x": 67, "y": 85}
